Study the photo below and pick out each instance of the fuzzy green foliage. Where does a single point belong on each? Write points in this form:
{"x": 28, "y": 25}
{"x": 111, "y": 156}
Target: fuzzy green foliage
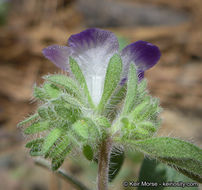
{"x": 67, "y": 120}
{"x": 112, "y": 79}
{"x": 183, "y": 156}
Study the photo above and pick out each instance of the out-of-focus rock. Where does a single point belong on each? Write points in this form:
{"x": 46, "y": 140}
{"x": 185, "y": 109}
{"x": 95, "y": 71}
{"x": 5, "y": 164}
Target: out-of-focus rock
{"x": 120, "y": 13}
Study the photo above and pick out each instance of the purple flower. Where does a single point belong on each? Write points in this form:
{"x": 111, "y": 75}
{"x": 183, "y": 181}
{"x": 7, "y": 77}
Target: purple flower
{"x": 93, "y": 48}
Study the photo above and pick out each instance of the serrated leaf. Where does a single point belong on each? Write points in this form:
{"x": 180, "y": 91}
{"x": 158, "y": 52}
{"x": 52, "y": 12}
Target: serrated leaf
{"x": 65, "y": 82}
{"x": 154, "y": 171}
{"x": 37, "y": 127}
{"x": 184, "y": 156}
{"x": 29, "y": 119}
{"x": 58, "y": 160}
{"x": 52, "y": 90}
{"x": 51, "y": 139}
{"x": 116, "y": 161}
{"x": 88, "y": 152}
{"x": 61, "y": 144}
{"x": 81, "y": 79}
{"x": 131, "y": 90}
{"x": 112, "y": 79}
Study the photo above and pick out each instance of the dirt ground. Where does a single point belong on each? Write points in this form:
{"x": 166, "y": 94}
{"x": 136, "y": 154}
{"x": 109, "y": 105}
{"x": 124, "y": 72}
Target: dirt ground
{"x": 174, "y": 26}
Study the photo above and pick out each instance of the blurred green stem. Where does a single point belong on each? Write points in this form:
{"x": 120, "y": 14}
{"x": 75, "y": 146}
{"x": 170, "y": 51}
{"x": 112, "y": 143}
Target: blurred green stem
{"x": 63, "y": 174}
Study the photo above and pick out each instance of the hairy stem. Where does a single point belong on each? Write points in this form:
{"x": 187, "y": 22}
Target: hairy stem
{"x": 103, "y": 163}
{"x": 63, "y": 174}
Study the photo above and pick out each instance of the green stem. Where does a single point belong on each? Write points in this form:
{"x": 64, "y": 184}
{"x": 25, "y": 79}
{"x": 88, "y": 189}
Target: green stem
{"x": 103, "y": 163}
{"x": 63, "y": 174}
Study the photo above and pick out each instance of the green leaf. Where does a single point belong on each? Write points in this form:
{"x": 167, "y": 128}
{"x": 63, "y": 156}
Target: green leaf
{"x": 131, "y": 90}
{"x": 184, "y": 156}
{"x": 66, "y": 112}
{"x": 37, "y": 127}
{"x": 58, "y": 160}
{"x": 35, "y": 147}
{"x": 65, "y": 82}
{"x": 81, "y": 129}
{"x": 116, "y": 161}
{"x": 43, "y": 112}
{"x": 112, "y": 79}
{"x": 29, "y": 119}
{"x": 61, "y": 144}
{"x": 88, "y": 152}
{"x": 34, "y": 142}
{"x": 154, "y": 171}
{"x": 81, "y": 79}
{"x": 114, "y": 104}
{"x": 51, "y": 139}
{"x": 103, "y": 122}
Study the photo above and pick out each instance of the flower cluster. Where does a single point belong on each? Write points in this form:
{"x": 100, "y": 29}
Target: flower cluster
{"x": 105, "y": 95}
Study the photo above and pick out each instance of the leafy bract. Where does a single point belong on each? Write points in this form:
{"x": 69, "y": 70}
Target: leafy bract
{"x": 81, "y": 79}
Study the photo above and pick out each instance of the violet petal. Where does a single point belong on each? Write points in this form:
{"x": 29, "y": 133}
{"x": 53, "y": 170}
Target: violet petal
{"x": 59, "y": 55}
{"x": 143, "y": 54}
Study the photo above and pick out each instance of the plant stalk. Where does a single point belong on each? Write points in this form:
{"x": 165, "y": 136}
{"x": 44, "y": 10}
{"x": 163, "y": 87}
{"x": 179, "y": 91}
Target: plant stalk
{"x": 103, "y": 163}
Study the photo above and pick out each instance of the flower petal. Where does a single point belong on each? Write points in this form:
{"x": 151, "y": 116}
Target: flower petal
{"x": 143, "y": 54}
{"x": 92, "y": 49}
{"x": 59, "y": 55}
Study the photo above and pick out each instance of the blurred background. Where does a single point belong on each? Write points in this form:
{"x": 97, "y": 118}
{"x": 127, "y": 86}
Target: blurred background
{"x": 27, "y": 26}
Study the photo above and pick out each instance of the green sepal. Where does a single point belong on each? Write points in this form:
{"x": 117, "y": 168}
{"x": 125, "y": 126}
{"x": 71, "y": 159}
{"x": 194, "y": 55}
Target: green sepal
{"x": 58, "y": 160}
{"x": 147, "y": 125}
{"x": 139, "y": 109}
{"x": 50, "y": 139}
{"x": 112, "y": 79}
{"x": 29, "y": 119}
{"x": 184, "y": 156}
{"x": 52, "y": 90}
{"x": 81, "y": 79}
{"x": 114, "y": 103}
{"x": 65, "y": 82}
{"x": 131, "y": 90}
{"x": 37, "y": 127}
{"x": 81, "y": 129}
{"x": 43, "y": 112}
{"x": 40, "y": 93}
{"x": 103, "y": 122}
{"x": 88, "y": 152}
